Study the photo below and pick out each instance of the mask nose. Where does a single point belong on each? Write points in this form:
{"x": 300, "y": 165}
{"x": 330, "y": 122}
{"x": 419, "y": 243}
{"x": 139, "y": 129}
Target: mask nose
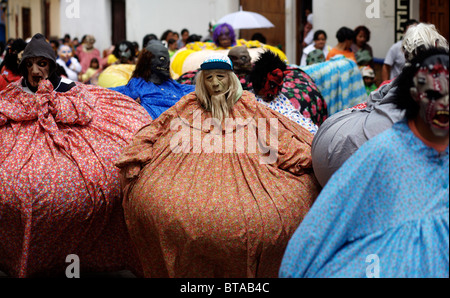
{"x": 35, "y": 69}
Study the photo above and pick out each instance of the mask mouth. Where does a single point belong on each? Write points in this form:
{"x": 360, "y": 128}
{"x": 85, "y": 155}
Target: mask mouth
{"x": 36, "y": 79}
{"x": 441, "y": 119}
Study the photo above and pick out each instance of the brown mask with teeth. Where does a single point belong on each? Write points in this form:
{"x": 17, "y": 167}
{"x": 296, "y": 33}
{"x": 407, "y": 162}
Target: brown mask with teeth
{"x": 430, "y": 91}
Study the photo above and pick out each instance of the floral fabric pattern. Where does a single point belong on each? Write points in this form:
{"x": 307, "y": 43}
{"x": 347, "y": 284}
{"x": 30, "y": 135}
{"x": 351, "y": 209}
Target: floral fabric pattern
{"x": 59, "y": 187}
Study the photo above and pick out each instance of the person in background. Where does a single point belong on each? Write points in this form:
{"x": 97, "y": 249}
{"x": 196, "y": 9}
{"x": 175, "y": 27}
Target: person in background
{"x": 320, "y": 43}
{"x": 368, "y": 75}
{"x": 211, "y": 27}
{"x": 119, "y": 73}
{"x": 360, "y": 47}
{"x": 224, "y": 36}
{"x": 55, "y": 43}
{"x": 91, "y": 75}
{"x": 259, "y": 37}
{"x": 168, "y": 34}
{"x": 345, "y": 37}
{"x": 147, "y": 38}
{"x": 71, "y": 65}
{"x": 173, "y": 47}
{"x": 86, "y": 51}
{"x": 309, "y": 31}
{"x": 184, "y": 37}
{"x": 10, "y": 66}
{"x": 395, "y": 59}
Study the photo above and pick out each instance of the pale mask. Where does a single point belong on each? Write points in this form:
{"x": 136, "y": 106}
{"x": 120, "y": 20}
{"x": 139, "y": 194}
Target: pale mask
{"x": 38, "y": 69}
{"x": 431, "y": 93}
{"x": 217, "y": 81}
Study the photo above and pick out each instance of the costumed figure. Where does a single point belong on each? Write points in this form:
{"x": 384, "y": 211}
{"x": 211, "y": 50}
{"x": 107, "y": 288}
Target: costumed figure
{"x": 340, "y": 82}
{"x": 267, "y": 79}
{"x": 151, "y": 83}
{"x": 345, "y": 132}
{"x": 70, "y": 64}
{"x": 298, "y": 87}
{"x": 10, "y": 68}
{"x": 217, "y": 184}
{"x": 385, "y": 212}
{"x": 119, "y": 73}
{"x": 192, "y": 56}
{"x": 59, "y": 188}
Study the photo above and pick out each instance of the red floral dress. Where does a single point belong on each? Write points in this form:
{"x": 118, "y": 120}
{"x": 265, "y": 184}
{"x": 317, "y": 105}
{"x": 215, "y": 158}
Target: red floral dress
{"x": 59, "y": 188}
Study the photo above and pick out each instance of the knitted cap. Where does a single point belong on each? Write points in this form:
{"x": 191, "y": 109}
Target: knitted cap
{"x": 217, "y": 62}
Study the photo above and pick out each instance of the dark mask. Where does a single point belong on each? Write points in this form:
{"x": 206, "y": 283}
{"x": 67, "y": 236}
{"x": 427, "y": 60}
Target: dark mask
{"x": 124, "y": 53}
{"x": 160, "y": 64}
{"x": 241, "y": 59}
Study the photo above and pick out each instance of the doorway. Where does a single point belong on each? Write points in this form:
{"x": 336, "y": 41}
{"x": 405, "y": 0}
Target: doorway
{"x": 119, "y": 29}
{"x": 26, "y": 22}
{"x": 304, "y": 7}
{"x": 436, "y": 12}
{"x": 274, "y": 11}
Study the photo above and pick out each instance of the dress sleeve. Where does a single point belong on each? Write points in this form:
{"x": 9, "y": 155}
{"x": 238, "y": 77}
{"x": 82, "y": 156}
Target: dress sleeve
{"x": 140, "y": 151}
{"x": 334, "y": 217}
{"x": 294, "y": 146}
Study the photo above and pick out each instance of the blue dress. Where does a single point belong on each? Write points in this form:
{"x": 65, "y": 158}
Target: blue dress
{"x": 156, "y": 99}
{"x": 384, "y": 213}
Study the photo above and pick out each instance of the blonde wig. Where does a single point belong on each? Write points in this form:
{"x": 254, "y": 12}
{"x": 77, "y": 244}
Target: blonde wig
{"x": 422, "y": 37}
{"x": 220, "y": 106}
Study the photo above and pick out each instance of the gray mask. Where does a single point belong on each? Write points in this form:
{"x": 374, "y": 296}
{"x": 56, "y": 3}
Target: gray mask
{"x": 160, "y": 64}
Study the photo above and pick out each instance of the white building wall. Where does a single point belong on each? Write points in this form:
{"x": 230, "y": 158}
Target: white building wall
{"x": 83, "y": 17}
{"x": 155, "y": 16}
{"x": 330, "y": 15}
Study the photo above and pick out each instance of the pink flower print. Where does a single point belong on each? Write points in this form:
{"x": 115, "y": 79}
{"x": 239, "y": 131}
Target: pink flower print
{"x": 295, "y": 103}
{"x": 306, "y": 97}
{"x": 306, "y": 114}
{"x": 289, "y": 85}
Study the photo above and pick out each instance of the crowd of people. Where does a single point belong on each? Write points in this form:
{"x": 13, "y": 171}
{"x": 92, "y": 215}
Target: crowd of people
{"x": 240, "y": 166}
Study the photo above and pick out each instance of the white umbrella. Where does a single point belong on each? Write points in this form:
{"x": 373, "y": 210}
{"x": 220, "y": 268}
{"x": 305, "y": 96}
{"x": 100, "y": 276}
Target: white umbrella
{"x": 246, "y": 20}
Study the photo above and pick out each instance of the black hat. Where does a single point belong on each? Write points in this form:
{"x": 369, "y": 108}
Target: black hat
{"x": 38, "y": 47}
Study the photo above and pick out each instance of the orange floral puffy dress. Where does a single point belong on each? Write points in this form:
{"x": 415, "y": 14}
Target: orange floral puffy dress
{"x": 195, "y": 212}
{"x": 59, "y": 187}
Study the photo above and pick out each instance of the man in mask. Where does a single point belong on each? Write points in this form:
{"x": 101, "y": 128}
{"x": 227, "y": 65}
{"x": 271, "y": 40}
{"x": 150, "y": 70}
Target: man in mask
{"x": 39, "y": 63}
{"x": 59, "y": 192}
{"x": 151, "y": 83}
{"x": 384, "y": 213}
{"x": 207, "y": 196}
